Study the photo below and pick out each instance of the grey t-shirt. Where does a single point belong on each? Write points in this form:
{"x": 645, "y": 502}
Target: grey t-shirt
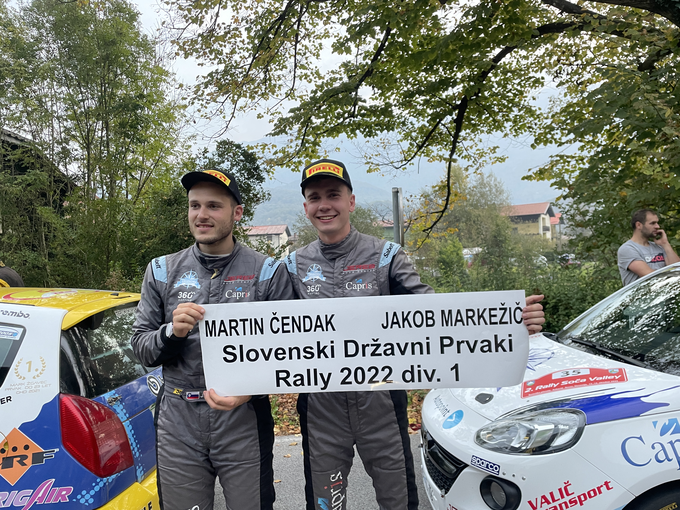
{"x": 653, "y": 255}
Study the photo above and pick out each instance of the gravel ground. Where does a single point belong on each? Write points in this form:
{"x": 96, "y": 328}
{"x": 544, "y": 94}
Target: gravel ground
{"x": 288, "y": 473}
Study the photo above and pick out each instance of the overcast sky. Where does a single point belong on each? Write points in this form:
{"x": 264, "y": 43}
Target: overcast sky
{"x": 249, "y": 129}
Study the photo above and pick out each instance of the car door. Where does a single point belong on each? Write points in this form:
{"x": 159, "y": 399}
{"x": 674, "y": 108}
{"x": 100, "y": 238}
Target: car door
{"x": 98, "y": 363}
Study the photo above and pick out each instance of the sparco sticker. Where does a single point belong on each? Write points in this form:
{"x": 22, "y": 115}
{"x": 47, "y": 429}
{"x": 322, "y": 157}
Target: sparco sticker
{"x": 485, "y": 465}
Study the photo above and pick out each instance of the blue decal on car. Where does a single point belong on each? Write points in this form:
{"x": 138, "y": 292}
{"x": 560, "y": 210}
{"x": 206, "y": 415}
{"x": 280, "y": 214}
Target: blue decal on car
{"x": 454, "y": 419}
{"x": 613, "y": 407}
{"x": 119, "y": 407}
{"x": 86, "y": 497}
{"x": 645, "y": 449}
{"x": 538, "y": 357}
{"x": 74, "y": 481}
{"x": 671, "y": 426}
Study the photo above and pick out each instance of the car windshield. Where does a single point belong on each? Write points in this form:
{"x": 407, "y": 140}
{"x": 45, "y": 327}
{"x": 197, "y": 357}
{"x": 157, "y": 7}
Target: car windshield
{"x": 96, "y": 353}
{"x": 642, "y": 322}
{"x": 11, "y": 336}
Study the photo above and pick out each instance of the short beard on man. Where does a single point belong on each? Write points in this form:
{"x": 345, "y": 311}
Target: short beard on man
{"x": 650, "y": 234}
{"x": 221, "y": 232}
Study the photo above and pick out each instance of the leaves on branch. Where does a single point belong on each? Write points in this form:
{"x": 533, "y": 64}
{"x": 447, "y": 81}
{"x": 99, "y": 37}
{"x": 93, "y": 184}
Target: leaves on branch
{"x": 437, "y": 76}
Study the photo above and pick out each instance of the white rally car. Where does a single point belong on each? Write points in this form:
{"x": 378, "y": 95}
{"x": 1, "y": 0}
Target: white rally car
{"x": 595, "y": 424}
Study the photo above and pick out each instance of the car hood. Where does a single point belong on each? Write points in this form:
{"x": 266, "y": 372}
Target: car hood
{"x": 561, "y": 376}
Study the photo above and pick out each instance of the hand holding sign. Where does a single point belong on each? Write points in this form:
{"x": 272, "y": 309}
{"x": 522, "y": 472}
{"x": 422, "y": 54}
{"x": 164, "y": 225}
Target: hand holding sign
{"x": 224, "y": 403}
{"x": 371, "y": 343}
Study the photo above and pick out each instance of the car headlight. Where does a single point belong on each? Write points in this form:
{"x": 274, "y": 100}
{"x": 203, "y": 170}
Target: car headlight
{"x": 533, "y": 433}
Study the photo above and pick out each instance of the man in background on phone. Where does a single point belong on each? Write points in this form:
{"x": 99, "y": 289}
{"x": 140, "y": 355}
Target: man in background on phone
{"x": 648, "y": 249}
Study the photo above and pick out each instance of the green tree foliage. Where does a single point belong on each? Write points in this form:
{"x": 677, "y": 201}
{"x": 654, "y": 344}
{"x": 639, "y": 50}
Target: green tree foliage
{"x": 35, "y": 239}
{"x": 570, "y": 291}
{"x": 103, "y": 112}
{"x": 86, "y": 86}
{"x": 473, "y": 220}
{"x": 475, "y": 204}
{"x": 503, "y": 259}
{"x": 474, "y": 207}
{"x": 158, "y": 226}
{"x": 234, "y": 158}
{"x": 159, "y": 223}
{"x": 445, "y": 269}
{"x": 625, "y": 116}
{"x": 13, "y": 67}
{"x": 430, "y": 79}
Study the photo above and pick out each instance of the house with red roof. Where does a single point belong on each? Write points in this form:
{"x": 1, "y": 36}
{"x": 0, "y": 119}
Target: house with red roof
{"x": 275, "y": 235}
{"x": 535, "y": 219}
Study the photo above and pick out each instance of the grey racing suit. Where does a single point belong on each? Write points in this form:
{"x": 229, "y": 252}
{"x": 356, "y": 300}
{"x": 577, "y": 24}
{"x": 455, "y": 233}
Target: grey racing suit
{"x": 375, "y": 421}
{"x": 195, "y": 443}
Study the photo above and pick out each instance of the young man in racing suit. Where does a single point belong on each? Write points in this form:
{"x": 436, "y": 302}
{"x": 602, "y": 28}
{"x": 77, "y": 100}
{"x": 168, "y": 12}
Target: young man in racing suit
{"x": 200, "y": 434}
{"x": 346, "y": 263}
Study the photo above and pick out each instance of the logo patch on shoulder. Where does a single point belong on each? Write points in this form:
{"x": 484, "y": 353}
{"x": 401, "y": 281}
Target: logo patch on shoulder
{"x": 154, "y": 384}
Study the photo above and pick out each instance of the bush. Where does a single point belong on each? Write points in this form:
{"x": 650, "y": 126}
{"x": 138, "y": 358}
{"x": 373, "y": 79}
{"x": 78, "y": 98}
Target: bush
{"x": 570, "y": 291}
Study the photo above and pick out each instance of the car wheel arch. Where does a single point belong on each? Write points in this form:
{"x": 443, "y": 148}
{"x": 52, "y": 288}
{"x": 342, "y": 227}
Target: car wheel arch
{"x": 657, "y": 498}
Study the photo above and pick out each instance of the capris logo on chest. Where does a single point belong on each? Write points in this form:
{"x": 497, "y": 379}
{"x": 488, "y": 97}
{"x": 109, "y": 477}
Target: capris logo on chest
{"x": 237, "y": 293}
{"x": 358, "y": 285}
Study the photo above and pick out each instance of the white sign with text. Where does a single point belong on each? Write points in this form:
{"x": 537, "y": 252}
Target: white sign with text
{"x": 459, "y": 340}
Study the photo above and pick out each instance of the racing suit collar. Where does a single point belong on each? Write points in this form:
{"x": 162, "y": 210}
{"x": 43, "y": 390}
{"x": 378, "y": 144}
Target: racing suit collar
{"x": 212, "y": 262}
{"x": 333, "y": 251}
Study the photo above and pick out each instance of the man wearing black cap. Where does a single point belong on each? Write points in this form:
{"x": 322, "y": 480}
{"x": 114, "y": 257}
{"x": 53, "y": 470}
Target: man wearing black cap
{"x": 200, "y": 434}
{"x": 346, "y": 263}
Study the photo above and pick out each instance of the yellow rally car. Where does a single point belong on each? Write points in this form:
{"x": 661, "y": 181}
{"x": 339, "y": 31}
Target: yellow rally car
{"x": 76, "y": 406}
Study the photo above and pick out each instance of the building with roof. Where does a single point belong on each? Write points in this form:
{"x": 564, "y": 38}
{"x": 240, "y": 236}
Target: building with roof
{"x": 557, "y": 228}
{"x": 18, "y": 156}
{"x": 533, "y": 219}
{"x": 388, "y": 229}
{"x": 276, "y": 235}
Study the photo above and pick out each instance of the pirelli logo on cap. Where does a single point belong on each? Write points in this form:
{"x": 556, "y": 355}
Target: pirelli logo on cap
{"x": 325, "y": 168}
{"x": 220, "y": 176}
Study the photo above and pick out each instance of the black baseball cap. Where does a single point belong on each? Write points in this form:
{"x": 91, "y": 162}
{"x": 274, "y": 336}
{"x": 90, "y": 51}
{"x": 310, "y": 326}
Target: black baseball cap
{"x": 325, "y": 168}
{"x": 218, "y": 176}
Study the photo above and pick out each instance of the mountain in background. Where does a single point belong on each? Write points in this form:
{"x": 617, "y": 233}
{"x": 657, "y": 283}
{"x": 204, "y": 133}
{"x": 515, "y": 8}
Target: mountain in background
{"x": 286, "y": 202}
{"x": 375, "y": 189}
